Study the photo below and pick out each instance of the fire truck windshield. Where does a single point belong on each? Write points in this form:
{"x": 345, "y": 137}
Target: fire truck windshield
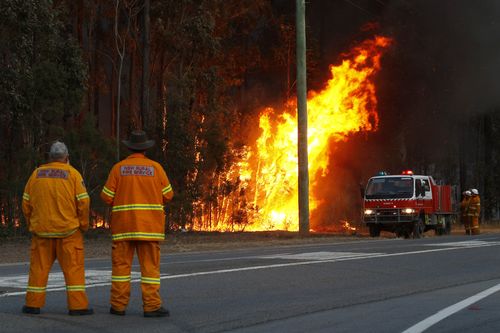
{"x": 389, "y": 187}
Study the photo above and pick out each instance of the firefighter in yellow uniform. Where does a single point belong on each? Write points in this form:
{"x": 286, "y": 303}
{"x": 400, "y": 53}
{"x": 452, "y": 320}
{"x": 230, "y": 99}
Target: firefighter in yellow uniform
{"x": 464, "y": 204}
{"x": 137, "y": 189}
{"x": 474, "y": 211}
{"x": 56, "y": 207}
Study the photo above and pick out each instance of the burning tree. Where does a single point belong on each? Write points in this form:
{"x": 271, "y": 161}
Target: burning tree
{"x": 264, "y": 196}
{"x": 203, "y": 56}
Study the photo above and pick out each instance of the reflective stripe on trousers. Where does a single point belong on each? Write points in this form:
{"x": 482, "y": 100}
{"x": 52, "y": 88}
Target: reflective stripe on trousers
{"x": 475, "y": 225}
{"x": 148, "y": 253}
{"x": 69, "y": 253}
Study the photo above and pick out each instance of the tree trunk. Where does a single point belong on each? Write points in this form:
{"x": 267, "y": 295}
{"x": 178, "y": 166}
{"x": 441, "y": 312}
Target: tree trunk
{"x": 146, "y": 116}
{"x": 462, "y": 158}
{"x": 135, "y": 113}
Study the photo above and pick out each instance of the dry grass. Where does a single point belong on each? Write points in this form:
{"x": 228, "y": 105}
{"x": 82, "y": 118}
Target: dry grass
{"x": 98, "y": 243}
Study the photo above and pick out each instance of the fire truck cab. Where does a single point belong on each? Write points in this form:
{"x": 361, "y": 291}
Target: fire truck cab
{"x": 407, "y": 205}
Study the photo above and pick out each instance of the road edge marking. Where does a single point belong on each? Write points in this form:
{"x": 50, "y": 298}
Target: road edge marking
{"x": 259, "y": 267}
{"x": 450, "y": 310}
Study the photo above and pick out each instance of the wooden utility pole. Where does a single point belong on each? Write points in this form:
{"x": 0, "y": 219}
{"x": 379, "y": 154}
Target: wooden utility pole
{"x": 302, "y": 118}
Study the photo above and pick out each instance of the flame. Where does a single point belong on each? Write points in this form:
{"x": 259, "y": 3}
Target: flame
{"x": 348, "y": 227}
{"x": 98, "y": 221}
{"x": 346, "y": 105}
{"x": 343, "y": 227}
{"x": 100, "y": 224}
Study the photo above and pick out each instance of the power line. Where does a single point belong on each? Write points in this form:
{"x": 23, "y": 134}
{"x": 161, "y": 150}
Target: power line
{"x": 360, "y": 8}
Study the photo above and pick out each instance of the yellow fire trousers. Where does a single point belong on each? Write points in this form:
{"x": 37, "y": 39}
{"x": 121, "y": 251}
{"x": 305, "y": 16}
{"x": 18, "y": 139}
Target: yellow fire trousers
{"x": 69, "y": 252}
{"x": 471, "y": 224}
{"x": 474, "y": 225}
{"x": 467, "y": 221}
{"x": 148, "y": 253}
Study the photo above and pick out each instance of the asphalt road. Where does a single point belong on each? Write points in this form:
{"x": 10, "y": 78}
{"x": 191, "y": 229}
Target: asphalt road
{"x": 434, "y": 284}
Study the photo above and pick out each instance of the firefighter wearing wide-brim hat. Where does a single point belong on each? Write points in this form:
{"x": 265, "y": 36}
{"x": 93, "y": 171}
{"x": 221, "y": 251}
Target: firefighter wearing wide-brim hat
{"x": 56, "y": 207}
{"x": 137, "y": 189}
{"x": 464, "y": 204}
{"x": 474, "y": 211}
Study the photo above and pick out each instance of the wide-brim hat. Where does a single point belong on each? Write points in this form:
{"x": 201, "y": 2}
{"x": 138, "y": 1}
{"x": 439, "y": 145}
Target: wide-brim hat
{"x": 138, "y": 140}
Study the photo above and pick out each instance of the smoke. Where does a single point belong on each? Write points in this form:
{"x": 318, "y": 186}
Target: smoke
{"x": 441, "y": 72}
{"x": 449, "y": 51}
{"x": 351, "y": 163}
{"x": 438, "y": 82}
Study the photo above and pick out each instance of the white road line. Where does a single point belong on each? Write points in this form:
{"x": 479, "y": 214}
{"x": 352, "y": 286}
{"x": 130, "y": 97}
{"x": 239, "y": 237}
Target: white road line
{"x": 181, "y": 254}
{"x": 321, "y": 255}
{"x": 428, "y": 322}
{"x": 254, "y": 268}
{"x": 469, "y": 243}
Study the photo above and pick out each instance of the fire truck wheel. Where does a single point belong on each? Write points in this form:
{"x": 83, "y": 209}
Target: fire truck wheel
{"x": 418, "y": 229}
{"x": 439, "y": 231}
{"x": 374, "y": 230}
{"x": 403, "y": 233}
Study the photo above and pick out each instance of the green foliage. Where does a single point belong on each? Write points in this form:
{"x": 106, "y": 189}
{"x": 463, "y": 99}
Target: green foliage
{"x": 202, "y": 55}
{"x": 41, "y": 88}
{"x": 206, "y": 46}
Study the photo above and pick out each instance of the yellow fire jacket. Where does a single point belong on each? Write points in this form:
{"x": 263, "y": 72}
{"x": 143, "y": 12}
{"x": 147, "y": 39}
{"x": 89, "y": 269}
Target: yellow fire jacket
{"x": 464, "y": 204}
{"x": 474, "y": 206}
{"x": 137, "y": 188}
{"x": 55, "y": 201}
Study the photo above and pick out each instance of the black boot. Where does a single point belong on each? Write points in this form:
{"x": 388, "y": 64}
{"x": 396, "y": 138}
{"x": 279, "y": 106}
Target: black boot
{"x": 161, "y": 312}
{"x": 83, "y": 312}
{"x": 30, "y": 310}
{"x": 116, "y": 312}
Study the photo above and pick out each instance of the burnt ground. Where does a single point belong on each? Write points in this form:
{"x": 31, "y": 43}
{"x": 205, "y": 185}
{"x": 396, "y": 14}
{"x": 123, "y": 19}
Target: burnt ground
{"x": 98, "y": 242}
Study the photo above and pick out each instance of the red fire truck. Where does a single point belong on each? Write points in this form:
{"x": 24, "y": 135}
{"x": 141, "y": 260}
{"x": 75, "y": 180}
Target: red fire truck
{"x": 408, "y": 205}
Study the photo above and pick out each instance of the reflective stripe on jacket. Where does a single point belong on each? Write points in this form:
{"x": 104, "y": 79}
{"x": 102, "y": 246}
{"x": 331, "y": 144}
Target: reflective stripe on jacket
{"x": 55, "y": 201}
{"x": 474, "y": 206}
{"x": 137, "y": 188}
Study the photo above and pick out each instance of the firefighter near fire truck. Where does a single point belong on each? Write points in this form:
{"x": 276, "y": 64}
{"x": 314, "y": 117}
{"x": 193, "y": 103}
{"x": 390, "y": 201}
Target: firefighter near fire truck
{"x": 407, "y": 205}
{"x": 137, "y": 190}
{"x": 464, "y": 205}
{"x": 56, "y": 207}
{"x": 474, "y": 211}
